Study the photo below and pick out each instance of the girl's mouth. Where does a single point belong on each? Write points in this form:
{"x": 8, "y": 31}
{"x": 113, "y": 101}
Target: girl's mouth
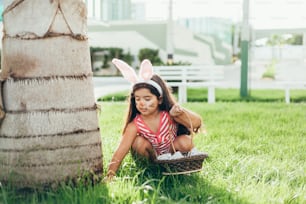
{"x": 143, "y": 109}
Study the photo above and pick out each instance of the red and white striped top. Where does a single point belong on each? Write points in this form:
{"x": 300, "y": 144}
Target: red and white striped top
{"x": 160, "y": 140}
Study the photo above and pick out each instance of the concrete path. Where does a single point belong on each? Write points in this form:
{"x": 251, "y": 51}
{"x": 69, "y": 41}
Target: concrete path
{"x": 107, "y": 85}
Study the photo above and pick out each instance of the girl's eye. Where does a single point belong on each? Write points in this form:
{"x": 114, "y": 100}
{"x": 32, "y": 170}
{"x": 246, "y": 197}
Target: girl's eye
{"x": 147, "y": 98}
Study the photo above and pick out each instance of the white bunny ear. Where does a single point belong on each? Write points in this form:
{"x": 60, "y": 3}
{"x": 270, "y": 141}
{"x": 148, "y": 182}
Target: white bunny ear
{"x": 126, "y": 70}
{"x": 146, "y": 70}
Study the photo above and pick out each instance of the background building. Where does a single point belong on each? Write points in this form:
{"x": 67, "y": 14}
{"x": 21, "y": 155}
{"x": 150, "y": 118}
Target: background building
{"x": 122, "y": 24}
{"x": 109, "y": 10}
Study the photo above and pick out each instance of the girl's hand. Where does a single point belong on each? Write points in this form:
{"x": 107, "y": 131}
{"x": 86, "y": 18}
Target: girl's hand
{"x": 176, "y": 110}
{"x": 109, "y": 176}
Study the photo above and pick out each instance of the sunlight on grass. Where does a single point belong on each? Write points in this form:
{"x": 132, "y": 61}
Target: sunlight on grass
{"x": 256, "y": 155}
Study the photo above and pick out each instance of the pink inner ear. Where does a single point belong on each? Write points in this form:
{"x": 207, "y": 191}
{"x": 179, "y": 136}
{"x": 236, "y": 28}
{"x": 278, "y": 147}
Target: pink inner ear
{"x": 146, "y": 70}
{"x": 126, "y": 70}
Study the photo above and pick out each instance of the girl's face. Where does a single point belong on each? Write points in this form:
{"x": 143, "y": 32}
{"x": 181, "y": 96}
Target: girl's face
{"x": 146, "y": 102}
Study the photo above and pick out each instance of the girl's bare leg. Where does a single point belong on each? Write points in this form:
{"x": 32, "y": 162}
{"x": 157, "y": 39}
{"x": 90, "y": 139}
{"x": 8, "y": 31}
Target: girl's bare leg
{"x": 142, "y": 147}
{"x": 183, "y": 143}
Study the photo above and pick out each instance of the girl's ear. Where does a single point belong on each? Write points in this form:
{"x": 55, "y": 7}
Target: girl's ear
{"x": 126, "y": 70}
{"x": 146, "y": 70}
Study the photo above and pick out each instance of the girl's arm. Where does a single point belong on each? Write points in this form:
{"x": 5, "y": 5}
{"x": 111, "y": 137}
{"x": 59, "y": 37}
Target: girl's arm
{"x": 184, "y": 117}
{"x": 123, "y": 148}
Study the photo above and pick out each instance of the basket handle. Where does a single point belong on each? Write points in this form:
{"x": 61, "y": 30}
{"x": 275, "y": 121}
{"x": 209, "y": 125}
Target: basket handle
{"x": 191, "y": 131}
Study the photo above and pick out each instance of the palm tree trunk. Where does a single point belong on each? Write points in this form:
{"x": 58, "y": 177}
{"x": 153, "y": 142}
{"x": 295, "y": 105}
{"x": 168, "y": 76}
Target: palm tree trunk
{"x": 50, "y": 130}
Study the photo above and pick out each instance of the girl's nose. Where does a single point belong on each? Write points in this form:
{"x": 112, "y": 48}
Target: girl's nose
{"x": 142, "y": 102}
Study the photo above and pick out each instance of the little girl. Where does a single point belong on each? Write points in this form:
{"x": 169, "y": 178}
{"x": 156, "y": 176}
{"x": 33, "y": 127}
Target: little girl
{"x": 155, "y": 123}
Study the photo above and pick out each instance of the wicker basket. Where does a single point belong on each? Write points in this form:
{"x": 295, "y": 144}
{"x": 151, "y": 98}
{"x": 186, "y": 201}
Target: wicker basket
{"x": 185, "y": 165}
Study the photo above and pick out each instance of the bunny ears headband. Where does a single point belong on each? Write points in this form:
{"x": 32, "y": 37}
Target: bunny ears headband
{"x": 145, "y": 73}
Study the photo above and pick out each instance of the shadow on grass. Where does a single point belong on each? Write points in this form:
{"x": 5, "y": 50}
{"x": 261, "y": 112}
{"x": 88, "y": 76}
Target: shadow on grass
{"x": 82, "y": 190}
{"x": 190, "y": 188}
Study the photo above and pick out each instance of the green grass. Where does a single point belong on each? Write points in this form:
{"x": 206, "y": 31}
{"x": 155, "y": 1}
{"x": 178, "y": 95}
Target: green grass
{"x": 256, "y": 155}
{"x": 227, "y": 95}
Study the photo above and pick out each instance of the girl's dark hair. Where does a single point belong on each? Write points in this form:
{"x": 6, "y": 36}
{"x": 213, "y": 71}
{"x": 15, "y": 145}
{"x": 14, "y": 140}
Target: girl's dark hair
{"x": 168, "y": 101}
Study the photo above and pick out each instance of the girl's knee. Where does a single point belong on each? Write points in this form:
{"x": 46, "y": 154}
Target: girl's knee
{"x": 142, "y": 146}
{"x": 183, "y": 143}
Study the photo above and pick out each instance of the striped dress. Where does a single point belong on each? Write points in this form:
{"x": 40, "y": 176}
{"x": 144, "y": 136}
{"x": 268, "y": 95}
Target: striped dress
{"x": 160, "y": 140}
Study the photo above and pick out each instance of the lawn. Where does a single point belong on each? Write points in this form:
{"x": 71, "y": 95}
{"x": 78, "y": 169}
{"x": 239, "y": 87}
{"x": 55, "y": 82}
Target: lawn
{"x": 256, "y": 155}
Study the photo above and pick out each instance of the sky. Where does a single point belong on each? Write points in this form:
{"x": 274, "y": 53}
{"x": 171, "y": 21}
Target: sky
{"x": 262, "y": 13}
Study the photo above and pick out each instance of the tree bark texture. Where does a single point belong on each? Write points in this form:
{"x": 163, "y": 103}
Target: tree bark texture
{"x": 49, "y": 128}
